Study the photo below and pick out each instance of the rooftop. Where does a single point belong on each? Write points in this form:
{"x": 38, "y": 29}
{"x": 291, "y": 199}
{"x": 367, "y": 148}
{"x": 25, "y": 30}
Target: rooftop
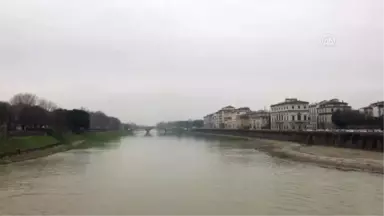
{"x": 333, "y": 101}
{"x": 379, "y": 104}
{"x": 290, "y": 101}
{"x": 228, "y": 107}
{"x": 243, "y": 108}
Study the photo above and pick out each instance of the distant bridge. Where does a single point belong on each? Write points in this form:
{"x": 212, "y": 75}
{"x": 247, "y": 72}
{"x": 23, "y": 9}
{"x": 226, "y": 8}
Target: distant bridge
{"x": 164, "y": 130}
{"x": 144, "y": 128}
{"x": 172, "y": 130}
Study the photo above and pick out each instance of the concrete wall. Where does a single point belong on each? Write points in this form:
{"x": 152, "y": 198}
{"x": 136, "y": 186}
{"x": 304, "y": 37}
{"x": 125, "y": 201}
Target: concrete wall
{"x": 365, "y": 141}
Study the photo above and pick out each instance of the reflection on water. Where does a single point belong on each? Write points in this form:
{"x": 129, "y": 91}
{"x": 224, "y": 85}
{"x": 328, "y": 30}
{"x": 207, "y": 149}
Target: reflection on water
{"x": 182, "y": 175}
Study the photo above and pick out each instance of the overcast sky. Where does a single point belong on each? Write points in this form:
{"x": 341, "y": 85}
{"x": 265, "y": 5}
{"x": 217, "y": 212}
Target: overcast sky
{"x": 150, "y": 60}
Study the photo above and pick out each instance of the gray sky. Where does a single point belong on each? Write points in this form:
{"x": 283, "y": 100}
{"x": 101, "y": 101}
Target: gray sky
{"x": 150, "y": 60}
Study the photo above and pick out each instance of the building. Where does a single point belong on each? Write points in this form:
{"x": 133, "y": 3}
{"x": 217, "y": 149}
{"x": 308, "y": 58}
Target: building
{"x": 242, "y": 117}
{"x": 231, "y": 122}
{"x": 209, "y": 121}
{"x": 374, "y": 109}
{"x": 243, "y": 121}
{"x": 260, "y": 120}
{"x": 223, "y": 115}
{"x": 291, "y": 114}
{"x": 325, "y": 111}
{"x": 368, "y": 111}
{"x": 237, "y": 118}
{"x": 313, "y": 116}
{"x": 377, "y": 109}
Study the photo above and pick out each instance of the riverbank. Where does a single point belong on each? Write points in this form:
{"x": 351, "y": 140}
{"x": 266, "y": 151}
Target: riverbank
{"x": 339, "y": 158}
{"x": 31, "y": 147}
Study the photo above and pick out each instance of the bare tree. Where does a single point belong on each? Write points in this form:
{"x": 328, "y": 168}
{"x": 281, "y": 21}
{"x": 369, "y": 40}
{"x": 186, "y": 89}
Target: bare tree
{"x": 4, "y": 112}
{"x": 4, "y": 119}
{"x": 27, "y": 99}
{"x": 47, "y": 104}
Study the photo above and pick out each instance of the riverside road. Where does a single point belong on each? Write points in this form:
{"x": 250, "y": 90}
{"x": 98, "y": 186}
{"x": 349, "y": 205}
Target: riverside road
{"x": 182, "y": 175}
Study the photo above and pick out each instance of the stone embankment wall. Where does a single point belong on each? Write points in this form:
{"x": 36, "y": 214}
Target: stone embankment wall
{"x": 366, "y": 141}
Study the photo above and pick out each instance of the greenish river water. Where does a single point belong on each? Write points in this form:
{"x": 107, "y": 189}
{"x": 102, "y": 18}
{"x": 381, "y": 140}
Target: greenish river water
{"x": 182, "y": 175}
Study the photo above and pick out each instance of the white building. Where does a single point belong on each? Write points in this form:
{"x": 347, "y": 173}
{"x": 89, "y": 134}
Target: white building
{"x": 374, "y": 109}
{"x": 260, "y": 120}
{"x": 243, "y": 121}
{"x": 231, "y": 122}
{"x": 209, "y": 121}
{"x": 291, "y": 114}
{"x": 237, "y": 119}
{"x": 223, "y": 115}
{"x": 378, "y": 109}
{"x": 368, "y": 111}
{"x": 325, "y": 111}
{"x": 313, "y": 116}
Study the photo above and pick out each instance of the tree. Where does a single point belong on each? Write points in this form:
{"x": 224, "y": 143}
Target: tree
{"x": 4, "y": 119}
{"x": 33, "y": 116}
{"x": 114, "y": 123}
{"x": 353, "y": 118}
{"x": 4, "y": 112}
{"x": 99, "y": 120}
{"x": 59, "y": 119}
{"x": 26, "y": 99}
{"x": 338, "y": 118}
{"x": 198, "y": 123}
{"x": 380, "y": 122}
{"x": 78, "y": 120}
{"x": 46, "y": 104}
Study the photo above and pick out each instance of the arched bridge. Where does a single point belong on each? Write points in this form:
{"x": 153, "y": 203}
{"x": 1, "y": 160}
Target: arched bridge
{"x": 145, "y": 128}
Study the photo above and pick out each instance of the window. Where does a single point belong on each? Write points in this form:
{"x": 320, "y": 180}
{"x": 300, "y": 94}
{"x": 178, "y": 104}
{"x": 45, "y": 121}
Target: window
{"x": 331, "y": 109}
{"x": 304, "y": 107}
{"x": 298, "y": 106}
{"x": 293, "y": 118}
{"x": 298, "y": 116}
{"x": 305, "y": 117}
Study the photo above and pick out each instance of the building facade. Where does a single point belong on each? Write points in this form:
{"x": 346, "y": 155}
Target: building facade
{"x": 377, "y": 109}
{"x": 223, "y": 115}
{"x": 325, "y": 111}
{"x": 209, "y": 121}
{"x": 313, "y": 116}
{"x": 368, "y": 111}
{"x": 260, "y": 120}
{"x": 238, "y": 118}
{"x": 231, "y": 122}
{"x": 374, "y": 109}
{"x": 291, "y": 114}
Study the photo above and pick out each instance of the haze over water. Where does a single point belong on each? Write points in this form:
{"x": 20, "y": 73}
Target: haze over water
{"x": 182, "y": 175}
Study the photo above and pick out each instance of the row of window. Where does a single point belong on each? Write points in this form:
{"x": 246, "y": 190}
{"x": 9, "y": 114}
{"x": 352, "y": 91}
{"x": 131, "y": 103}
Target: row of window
{"x": 297, "y": 117}
{"x": 286, "y": 127}
{"x": 287, "y": 107}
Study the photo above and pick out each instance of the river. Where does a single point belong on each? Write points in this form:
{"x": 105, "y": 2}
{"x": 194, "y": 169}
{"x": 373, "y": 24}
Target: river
{"x": 182, "y": 175}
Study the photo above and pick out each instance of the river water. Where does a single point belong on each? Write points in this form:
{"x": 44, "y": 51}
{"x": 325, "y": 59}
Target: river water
{"x": 182, "y": 175}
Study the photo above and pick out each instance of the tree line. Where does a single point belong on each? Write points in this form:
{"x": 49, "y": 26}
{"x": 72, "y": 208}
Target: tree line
{"x": 181, "y": 124}
{"x": 25, "y": 111}
{"x": 355, "y": 119}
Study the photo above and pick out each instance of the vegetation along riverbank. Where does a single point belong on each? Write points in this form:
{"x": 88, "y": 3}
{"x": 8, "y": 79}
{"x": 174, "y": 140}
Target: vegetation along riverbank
{"x": 325, "y": 156}
{"x": 32, "y": 127}
{"x": 30, "y": 147}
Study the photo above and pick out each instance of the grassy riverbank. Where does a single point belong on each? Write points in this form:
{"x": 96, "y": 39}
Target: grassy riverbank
{"x": 34, "y": 143}
{"x": 25, "y": 143}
